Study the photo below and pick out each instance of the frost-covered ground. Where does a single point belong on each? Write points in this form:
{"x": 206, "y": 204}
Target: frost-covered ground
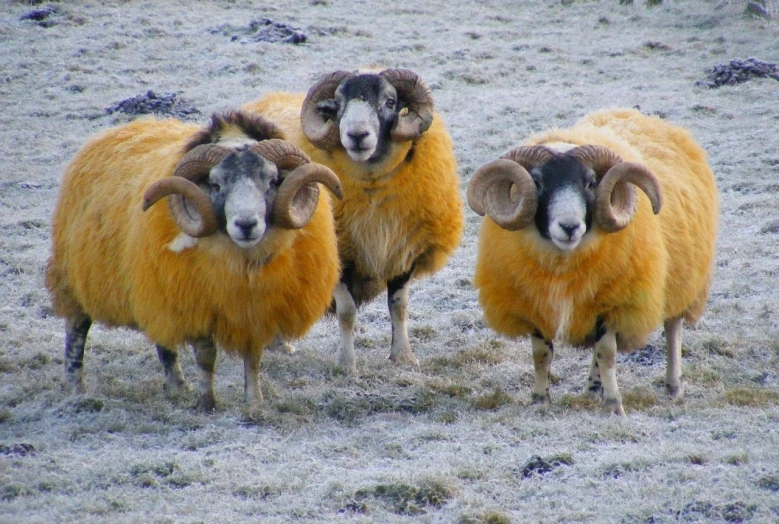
{"x": 456, "y": 439}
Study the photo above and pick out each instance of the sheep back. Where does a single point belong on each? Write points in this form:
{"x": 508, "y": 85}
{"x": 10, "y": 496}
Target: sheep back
{"x": 657, "y": 268}
{"x": 115, "y": 263}
{"x": 409, "y": 211}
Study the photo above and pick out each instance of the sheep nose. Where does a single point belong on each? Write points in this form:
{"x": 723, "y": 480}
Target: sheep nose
{"x": 357, "y": 136}
{"x": 569, "y": 229}
{"x": 246, "y": 225}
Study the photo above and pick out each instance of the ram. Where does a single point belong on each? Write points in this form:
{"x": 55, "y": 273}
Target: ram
{"x": 401, "y": 215}
{"x": 572, "y": 252}
{"x": 245, "y": 250}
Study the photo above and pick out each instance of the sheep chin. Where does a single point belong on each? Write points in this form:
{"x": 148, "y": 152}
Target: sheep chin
{"x": 360, "y": 155}
{"x": 566, "y": 244}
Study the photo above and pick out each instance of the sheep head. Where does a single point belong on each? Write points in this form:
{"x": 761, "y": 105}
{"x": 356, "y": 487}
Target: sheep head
{"x": 242, "y": 191}
{"x": 561, "y": 192}
{"x": 364, "y": 113}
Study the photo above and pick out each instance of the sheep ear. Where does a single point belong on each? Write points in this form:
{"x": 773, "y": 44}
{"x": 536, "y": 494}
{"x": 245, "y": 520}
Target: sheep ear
{"x": 327, "y": 108}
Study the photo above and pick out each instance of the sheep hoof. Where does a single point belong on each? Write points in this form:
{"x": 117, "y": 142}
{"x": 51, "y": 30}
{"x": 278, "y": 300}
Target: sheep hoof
{"x": 542, "y": 399}
{"x": 675, "y": 391}
{"x": 348, "y": 366}
{"x": 174, "y": 386}
{"x": 613, "y": 406}
{"x": 206, "y": 403}
{"x": 404, "y": 357}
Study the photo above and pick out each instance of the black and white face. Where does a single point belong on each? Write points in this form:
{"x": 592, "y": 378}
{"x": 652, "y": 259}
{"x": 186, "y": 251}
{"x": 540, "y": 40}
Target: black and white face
{"x": 566, "y": 196}
{"x": 366, "y": 108}
{"x": 242, "y": 189}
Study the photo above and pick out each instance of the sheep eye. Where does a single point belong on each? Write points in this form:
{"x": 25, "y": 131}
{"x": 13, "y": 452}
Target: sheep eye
{"x": 215, "y": 186}
{"x": 390, "y": 103}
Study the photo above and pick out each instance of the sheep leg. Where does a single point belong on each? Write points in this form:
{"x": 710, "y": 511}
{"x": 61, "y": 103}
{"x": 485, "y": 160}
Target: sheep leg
{"x": 252, "y": 394}
{"x": 282, "y": 346}
{"x": 76, "y": 329}
{"x": 674, "y": 385}
{"x": 346, "y": 311}
{"x": 205, "y": 356}
{"x": 543, "y": 353}
{"x": 594, "y": 387}
{"x": 397, "y": 300}
{"x": 174, "y": 377}
{"x": 606, "y": 355}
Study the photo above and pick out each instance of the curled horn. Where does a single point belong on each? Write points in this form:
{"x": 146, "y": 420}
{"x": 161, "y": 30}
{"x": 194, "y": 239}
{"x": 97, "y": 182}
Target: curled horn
{"x": 505, "y": 191}
{"x": 413, "y": 90}
{"x": 321, "y": 132}
{"x": 190, "y": 206}
{"x": 615, "y": 198}
{"x": 298, "y": 194}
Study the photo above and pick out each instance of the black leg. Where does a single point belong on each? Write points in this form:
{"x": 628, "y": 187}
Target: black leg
{"x": 76, "y": 329}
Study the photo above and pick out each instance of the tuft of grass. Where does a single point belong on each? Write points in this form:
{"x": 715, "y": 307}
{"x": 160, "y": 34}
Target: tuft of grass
{"x": 451, "y": 390}
{"x": 702, "y": 376}
{"x": 5, "y": 415}
{"x": 618, "y": 435}
{"x": 87, "y": 405}
{"x": 423, "y": 333}
{"x": 490, "y": 517}
{"x": 478, "y": 355}
{"x": 770, "y": 483}
{"x": 37, "y": 361}
{"x": 162, "y": 469}
{"x": 579, "y": 403}
{"x": 737, "y": 459}
{"x": 751, "y": 397}
{"x": 6, "y": 365}
{"x": 620, "y": 469}
{"x": 696, "y": 459}
{"x": 12, "y": 491}
{"x": 639, "y": 399}
{"x": 718, "y": 346}
{"x": 350, "y": 408}
{"x": 297, "y": 406}
{"x": 263, "y": 492}
{"x": 447, "y": 417}
{"x": 492, "y": 401}
{"x": 257, "y": 416}
{"x": 470, "y": 474}
{"x": 406, "y": 499}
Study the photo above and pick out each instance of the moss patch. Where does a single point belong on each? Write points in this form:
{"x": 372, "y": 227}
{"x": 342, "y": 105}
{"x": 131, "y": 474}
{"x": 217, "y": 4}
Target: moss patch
{"x": 751, "y": 397}
{"x": 405, "y": 499}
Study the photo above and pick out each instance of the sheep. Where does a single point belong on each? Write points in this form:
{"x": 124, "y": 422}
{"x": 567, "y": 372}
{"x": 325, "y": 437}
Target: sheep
{"x": 401, "y": 216}
{"x": 245, "y": 250}
{"x": 571, "y": 251}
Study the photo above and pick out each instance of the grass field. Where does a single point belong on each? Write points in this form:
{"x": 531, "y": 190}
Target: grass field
{"x": 455, "y": 440}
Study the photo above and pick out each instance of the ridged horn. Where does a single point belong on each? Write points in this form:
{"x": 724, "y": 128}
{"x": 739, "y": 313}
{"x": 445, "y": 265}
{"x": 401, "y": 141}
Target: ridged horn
{"x": 298, "y": 195}
{"x": 321, "y": 132}
{"x": 415, "y": 93}
{"x": 530, "y": 156}
{"x": 616, "y": 198}
{"x": 190, "y": 206}
{"x": 282, "y": 153}
{"x": 490, "y": 192}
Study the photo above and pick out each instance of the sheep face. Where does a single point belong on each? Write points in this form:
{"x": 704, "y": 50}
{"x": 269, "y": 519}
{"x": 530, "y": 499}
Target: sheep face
{"x": 365, "y": 109}
{"x": 566, "y": 196}
{"x": 242, "y": 188}
{"x": 369, "y": 115}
